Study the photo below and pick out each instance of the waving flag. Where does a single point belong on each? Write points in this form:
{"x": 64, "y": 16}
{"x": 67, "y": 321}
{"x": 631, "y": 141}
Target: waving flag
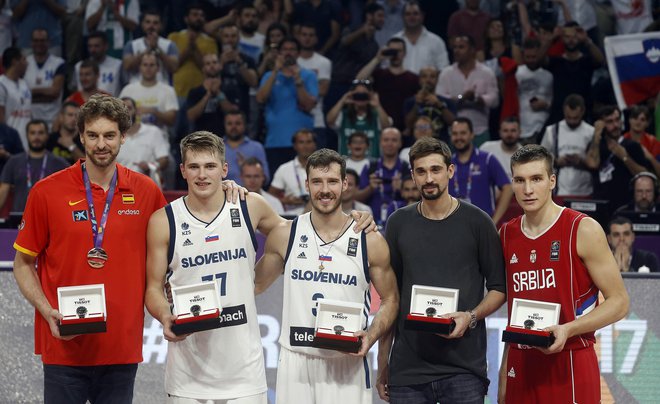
{"x": 634, "y": 64}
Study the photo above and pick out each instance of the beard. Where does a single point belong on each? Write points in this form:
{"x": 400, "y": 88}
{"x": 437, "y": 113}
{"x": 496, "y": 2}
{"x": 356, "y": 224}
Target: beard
{"x": 249, "y": 28}
{"x": 102, "y": 163}
{"x": 431, "y": 196}
{"x": 326, "y": 210}
{"x": 38, "y": 148}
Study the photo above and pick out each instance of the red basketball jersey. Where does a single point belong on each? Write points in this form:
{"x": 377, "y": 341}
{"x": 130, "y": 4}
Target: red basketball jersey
{"x": 547, "y": 268}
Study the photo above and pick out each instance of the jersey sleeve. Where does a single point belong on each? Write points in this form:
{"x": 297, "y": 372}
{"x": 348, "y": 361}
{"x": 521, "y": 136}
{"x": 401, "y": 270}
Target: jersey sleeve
{"x": 33, "y": 233}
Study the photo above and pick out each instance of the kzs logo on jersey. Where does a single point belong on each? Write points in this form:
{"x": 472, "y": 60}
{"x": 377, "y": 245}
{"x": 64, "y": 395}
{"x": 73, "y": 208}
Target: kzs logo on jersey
{"x": 185, "y": 229}
{"x": 352, "y": 247}
{"x": 303, "y": 241}
{"x": 235, "y": 217}
{"x": 554, "y": 251}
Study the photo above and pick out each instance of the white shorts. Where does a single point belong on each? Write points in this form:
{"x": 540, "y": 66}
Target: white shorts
{"x": 312, "y": 380}
{"x": 261, "y": 398}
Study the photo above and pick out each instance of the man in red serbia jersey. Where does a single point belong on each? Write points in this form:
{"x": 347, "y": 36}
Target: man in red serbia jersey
{"x": 555, "y": 254}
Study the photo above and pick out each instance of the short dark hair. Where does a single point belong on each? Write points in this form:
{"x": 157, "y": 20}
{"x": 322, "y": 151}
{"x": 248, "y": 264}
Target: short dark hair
{"x": 98, "y": 34}
{"x": 354, "y": 174}
{"x": 358, "y": 134}
{"x": 68, "y": 104}
{"x": 427, "y": 146}
{"x": 533, "y": 152}
{"x": 637, "y": 110}
{"x": 373, "y": 8}
{"x": 619, "y": 220}
{"x": 469, "y": 39}
{"x": 151, "y": 11}
{"x": 574, "y": 101}
{"x": 252, "y": 161}
{"x": 131, "y": 100}
{"x": 308, "y": 24}
{"x": 397, "y": 40}
{"x": 9, "y": 55}
{"x": 303, "y": 130}
{"x": 36, "y": 122}
{"x": 531, "y": 43}
{"x": 289, "y": 39}
{"x": 324, "y": 158}
{"x": 102, "y": 105}
{"x": 571, "y": 24}
{"x": 462, "y": 119}
{"x": 235, "y": 112}
{"x": 90, "y": 63}
{"x": 244, "y": 5}
{"x": 194, "y": 5}
{"x": 411, "y": 3}
{"x": 511, "y": 119}
{"x": 606, "y": 110}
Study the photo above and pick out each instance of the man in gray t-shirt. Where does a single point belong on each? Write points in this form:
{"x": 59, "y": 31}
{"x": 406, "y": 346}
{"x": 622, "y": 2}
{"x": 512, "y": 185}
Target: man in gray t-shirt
{"x": 441, "y": 242}
{"x": 23, "y": 170}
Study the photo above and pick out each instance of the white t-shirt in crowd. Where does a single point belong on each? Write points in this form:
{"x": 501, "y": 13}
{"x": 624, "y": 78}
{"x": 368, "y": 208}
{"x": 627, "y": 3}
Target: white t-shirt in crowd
{"x": 322, "y": 66}
{"x": 533, "y": 83}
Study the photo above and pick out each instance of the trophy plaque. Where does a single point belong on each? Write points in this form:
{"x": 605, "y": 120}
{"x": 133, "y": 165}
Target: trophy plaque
{"x": 83, "y": 308}
{"x": 336, "y": 323}
{"x": 528, "y": 319}
{"x": 427, "y": 305}
{"x": 197, "y": 308}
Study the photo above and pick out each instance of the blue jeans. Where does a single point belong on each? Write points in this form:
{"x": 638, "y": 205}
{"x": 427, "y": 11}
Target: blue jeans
{"x": 109, "y": 384}
{"x": 458, "y": 389}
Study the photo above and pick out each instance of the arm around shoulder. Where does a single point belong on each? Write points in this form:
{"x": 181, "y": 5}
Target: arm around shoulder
{"x": 271, "y": 264}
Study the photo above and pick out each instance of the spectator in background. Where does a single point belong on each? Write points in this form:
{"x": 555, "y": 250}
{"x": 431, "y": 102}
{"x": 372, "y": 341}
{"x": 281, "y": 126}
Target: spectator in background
{"x": 427, "y": 103}
{"x": 471, "y": 86}
{"x": 29, "y": 15}
{"x": 239, "y": 147}
{"x": 10, "y": 143}
{"x": 534, "y": 92}
{"x": 573, "y": 70}
{"x": 165, "y": 50}
{"x": 156, "y": 101}
{"x": 621, "y": 238}
{"x": 477, "y": 173}
{"x": 237, "y": 70}
{"x": 359, "y": 110}
{"x": 23, "y": 170}
{"x": 639, "y": 117}
{"x": 15, "y": 94}
{"x": 275, "y": 33}
{"x": 423, "y": 127}
{"x": 325, "y": 16}
{"x": 348, "y": 202}
{"x": 251, "y": 41}
{"x": 358, "y": 158}
{"x": 289, "y": 93}
{"x": 109, "y": 79}
{"x": 355, "y": 50}
{"x": 394, "y": 84}
{"x": 145, "y": 149}
{"x": 380, "y": 184}
{"x": 88, "y": 77}
{"x": 508, "y": 143}
{"x": 207, "y": 104}
{"x": 118, "y": 19}
{"x": 73, "y": 22}
{"x": 45, "y": 77}
{"x": 423, "y": 48}
{"x": 253, "y": 177}
{"x": 322, "y": 67}
{"x": 192, "y": 44}
{"x": 644, "y": 187}
{"x": 409, "y": 195}
{"x": 469, "y": 21}
{"x": 65, "y": 143}
{"x": 288, "y": 183}
{"x": 392, "y": 20}
{"x": 617, "y": 160}
{"x": 497, "y": 44}
{"x": 270, "y": 12}
{"x": 568, "y": 141}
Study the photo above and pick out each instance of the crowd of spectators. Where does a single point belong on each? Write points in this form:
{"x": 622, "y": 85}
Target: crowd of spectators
{"x": 279, "y": 78}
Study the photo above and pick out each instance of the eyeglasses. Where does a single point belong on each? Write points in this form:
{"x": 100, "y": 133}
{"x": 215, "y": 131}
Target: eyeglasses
{"x": 366, "y": 83}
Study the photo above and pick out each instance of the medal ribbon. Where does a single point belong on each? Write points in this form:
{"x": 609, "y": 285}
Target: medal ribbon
{"x": 41, "y": 175}
{"x": 98, "y": 230}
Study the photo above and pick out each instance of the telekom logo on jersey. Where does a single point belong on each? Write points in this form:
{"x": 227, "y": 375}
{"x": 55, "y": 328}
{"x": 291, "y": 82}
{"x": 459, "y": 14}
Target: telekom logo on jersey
{"x": 534, "y": 279}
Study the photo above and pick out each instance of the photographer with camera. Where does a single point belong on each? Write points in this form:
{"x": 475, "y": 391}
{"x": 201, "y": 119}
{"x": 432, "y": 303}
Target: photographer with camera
{"x": 359, "y": 110}
{"x": 289, "y": 94}
{"x": 393, "y": 84}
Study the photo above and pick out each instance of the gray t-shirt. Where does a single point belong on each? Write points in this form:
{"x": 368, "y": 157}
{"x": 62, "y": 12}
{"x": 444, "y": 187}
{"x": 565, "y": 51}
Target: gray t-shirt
{"x": 15, "y": 174}
{"x": 462, "y": 252}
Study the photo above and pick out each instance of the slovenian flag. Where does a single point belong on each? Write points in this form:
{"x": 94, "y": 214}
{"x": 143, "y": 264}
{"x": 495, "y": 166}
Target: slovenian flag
{"x": 325, "y": 258}
{"x": 634, "y": 64}
{"x": 212, "y": 237}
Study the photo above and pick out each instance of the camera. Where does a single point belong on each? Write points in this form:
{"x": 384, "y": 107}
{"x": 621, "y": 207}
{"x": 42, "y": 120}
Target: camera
{"x": 390, "y": 52}
{"x": 360, "y": 97}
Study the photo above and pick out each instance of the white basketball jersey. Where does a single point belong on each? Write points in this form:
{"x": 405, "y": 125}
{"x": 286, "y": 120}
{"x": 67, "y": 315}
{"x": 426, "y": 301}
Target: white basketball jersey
{"x": 345, "y": 277}
{"x": 109, "y": 76}
{"x": 17, "y": 100}
{"x": 139, "y": 46}
{"x": 225, "y": 362}
{"x": 40, "y": 77}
